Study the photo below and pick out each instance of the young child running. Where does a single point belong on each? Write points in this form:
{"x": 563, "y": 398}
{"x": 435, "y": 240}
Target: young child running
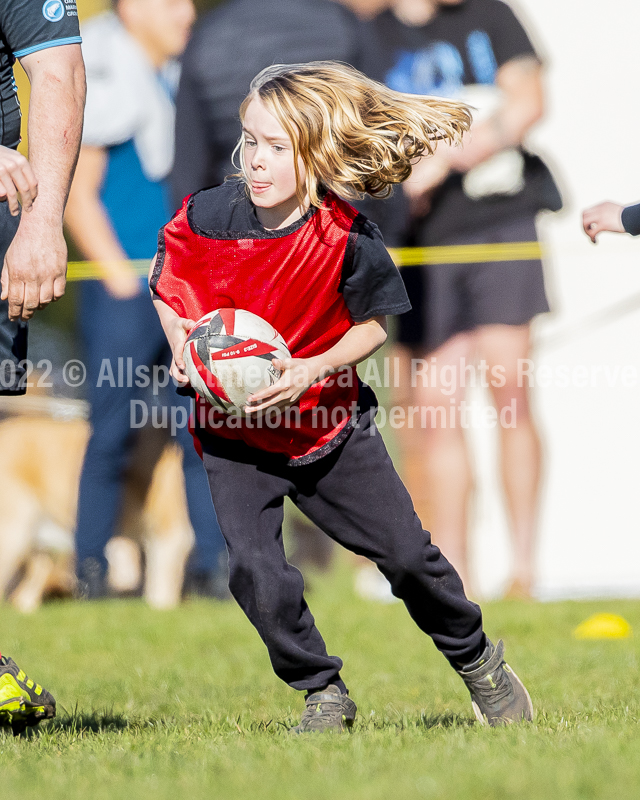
{"x": 278, "y": 241}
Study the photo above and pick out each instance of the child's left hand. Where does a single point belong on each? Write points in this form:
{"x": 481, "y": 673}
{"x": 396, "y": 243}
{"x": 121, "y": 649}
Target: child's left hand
{"x": 297, "y": 376}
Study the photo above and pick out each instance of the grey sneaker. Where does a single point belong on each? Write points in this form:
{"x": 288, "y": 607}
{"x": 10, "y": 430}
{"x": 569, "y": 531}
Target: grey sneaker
{"x": 498, "y": 695}
{"x": 327, "y": 710}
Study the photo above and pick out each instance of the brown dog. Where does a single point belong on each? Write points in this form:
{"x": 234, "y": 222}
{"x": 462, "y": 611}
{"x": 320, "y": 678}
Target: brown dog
{"x": 40, "y": 462}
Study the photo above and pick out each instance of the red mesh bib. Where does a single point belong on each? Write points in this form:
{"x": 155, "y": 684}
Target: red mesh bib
{"x": 289, "y": 277}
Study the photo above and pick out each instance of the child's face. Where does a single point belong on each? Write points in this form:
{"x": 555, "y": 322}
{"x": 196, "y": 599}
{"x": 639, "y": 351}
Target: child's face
{"x": 268, "y": 158}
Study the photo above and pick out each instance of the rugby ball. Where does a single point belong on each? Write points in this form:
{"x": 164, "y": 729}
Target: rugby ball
{"x": 228, "y": 357}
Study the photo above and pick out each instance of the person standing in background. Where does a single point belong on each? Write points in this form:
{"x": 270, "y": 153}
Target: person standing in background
{"x": 488, "y": 191}
{"x": 46, "y": 40}
{"x": 229, "y": 46}
{"x": 118, "y": 202}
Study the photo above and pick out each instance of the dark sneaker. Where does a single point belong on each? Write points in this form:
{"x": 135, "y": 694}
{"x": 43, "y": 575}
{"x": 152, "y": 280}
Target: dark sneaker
{"x": 22, "y": 702}
{"x": 498, "y": 695}
{"x": 327, "y": 710}
{"x": 212, "y": 585}
{"x": 92, "y": 581}
{"x": 204, "y": 583}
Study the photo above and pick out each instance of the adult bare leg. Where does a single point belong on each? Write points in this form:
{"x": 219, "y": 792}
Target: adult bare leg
{"x": 409, "y": 437}
{"x": 502, "y": 346}
{"x": 448, "y": 481}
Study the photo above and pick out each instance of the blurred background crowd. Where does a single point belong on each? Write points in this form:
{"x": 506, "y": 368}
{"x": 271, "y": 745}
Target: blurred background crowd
{"x": 520, "y": 507}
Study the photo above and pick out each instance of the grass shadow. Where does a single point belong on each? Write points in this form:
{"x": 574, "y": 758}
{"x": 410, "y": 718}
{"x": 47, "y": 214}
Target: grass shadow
{"x": 415, "y": 722}
{"x": 98, "y": 722}
{"x": 446, "y": 720}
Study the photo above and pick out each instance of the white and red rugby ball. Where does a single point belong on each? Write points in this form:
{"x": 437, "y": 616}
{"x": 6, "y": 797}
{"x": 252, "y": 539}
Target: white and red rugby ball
{"x": 228, "y": 357}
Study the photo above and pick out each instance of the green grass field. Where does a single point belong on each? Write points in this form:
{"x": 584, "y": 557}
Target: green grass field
{"x": 184, "y": 705}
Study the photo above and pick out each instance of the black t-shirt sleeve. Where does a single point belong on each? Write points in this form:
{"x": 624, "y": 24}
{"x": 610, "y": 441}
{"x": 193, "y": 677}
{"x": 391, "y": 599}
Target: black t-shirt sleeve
{"x": 371, "y": 283}
{"x": 508, "y": 37}
{"x": 31, "y": 25}
{"x": 631, "y": 219}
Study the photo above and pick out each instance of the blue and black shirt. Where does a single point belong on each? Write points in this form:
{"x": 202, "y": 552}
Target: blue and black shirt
{"x": 27, "y": 26}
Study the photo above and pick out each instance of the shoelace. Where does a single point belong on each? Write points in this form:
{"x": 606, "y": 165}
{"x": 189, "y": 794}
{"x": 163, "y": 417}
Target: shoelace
{"x": 328, "y": 708}
{"x": 501, "y": 686}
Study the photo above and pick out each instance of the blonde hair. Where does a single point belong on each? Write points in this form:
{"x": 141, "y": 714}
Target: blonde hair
{"x": 354, "y": 135}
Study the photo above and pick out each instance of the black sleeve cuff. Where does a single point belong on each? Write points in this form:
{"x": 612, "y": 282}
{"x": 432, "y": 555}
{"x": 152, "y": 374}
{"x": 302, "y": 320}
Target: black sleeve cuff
{"x": 383, "y": 311}
{"x": 631, "y": 219}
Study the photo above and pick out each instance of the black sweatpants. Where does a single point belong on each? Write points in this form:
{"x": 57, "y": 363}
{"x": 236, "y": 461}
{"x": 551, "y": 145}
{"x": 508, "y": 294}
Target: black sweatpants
{"x": 355, "y": 495}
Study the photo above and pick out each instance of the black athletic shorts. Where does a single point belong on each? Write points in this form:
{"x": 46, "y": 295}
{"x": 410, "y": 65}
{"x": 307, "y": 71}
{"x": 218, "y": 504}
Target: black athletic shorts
{"x": 450, "y": 298}
{"x": 13, "y": 335}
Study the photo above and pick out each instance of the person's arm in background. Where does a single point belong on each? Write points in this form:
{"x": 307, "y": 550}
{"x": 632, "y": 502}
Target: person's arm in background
{"x": 89, "y": 225}
{"x": 612, "y": 217}
{"x": 192, "y": 161}
{"x": 520, "y": 81}
{"x": 35, "y": 265}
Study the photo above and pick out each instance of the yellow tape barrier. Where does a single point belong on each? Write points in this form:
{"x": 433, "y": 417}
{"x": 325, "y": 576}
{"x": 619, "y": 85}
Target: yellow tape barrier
{"x": 403, "y": 257}
{"x": 466, "y": 253}
{"x": 90, "y": 270}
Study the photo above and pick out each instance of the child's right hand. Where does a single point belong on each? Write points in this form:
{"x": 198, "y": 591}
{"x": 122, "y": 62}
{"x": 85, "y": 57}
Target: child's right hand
{"x": 177, "y": 334}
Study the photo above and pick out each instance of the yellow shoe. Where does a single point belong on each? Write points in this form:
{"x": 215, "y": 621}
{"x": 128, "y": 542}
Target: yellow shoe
{"x": 22, "y": 701}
